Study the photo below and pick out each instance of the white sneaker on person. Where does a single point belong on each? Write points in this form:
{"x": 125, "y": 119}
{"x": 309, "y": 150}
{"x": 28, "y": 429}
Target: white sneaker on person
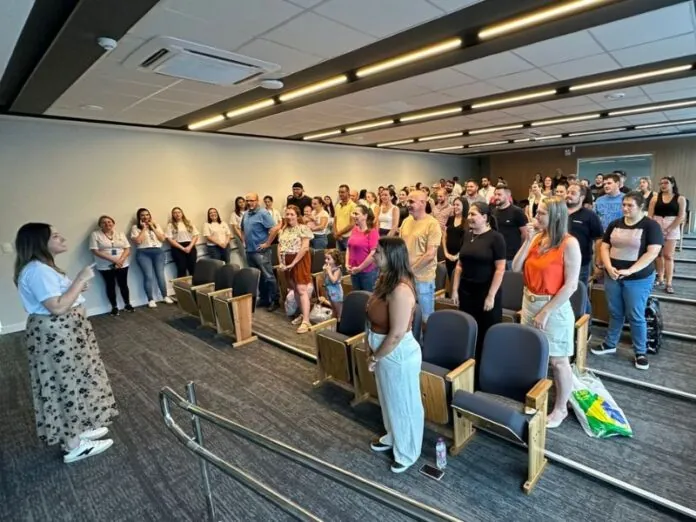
{"x": 168, "y": 300}
{"x": 94, "y": 434}
{"x": 151, "y": 304}
{"x": 87, "y": 448}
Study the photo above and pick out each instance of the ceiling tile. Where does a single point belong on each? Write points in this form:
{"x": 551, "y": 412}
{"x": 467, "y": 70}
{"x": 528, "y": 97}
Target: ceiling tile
{"x": 441, "y": 79}
{"x": 582, "y": 67}
{"x": 472, "y": 90}
{"x": 126, "y": 46}
{"x": 454, "y": 5}
{"x": 578, "y": 109}
{"x": 567, "y": 102}
{"x": 647, "y": 27}
{"x": 674, "y": 95}
{"x": 291, "y": 60}
{"x": 429, "y": 99}
{"x": 561, "y": 49}
{"x": 639, "y": 119}
{"x": 493, "y": 66}
{"x": 254, "y": 17}
{"x": 625, "y": 102}
{"x": 379, "y": 18}
{"x": 117, "y": 72}
{"x": 629, "y": 94}
{"x": 683, "y": 84}
{"x": 532, "y": 113}
{"x": 197, "y": 98}
{"x": 681, "y": 114}
{"x": 110, "y": 102}
{"x": 656, "y": 51}
{"x": 315, "y": 34}
{"x": 305, "y": 3}
{"x": 522, "y": 79}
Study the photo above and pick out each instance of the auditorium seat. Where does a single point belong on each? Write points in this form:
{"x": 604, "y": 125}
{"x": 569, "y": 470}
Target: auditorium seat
{"x": 512, "y": 290}
{"x": 449, "y": 342}
{"x": 234, "y": 307}
{"x": 440, "y": 280}
{"x": 582, "y": 324}
{"x": 224, "y": 279}
{"x": 514, "y": 363}
{"x": 203, "y": 278}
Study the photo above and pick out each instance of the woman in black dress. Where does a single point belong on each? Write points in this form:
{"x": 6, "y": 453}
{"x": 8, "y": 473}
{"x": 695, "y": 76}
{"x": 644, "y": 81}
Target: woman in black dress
{"x": 453, "y": 236}
{"x": 479, "y": 273}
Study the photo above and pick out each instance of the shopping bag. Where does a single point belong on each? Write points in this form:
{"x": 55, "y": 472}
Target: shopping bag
{"x": 319, "y": 314}
{"x": 290, "y": 304}
{"x": 595, "y": 408}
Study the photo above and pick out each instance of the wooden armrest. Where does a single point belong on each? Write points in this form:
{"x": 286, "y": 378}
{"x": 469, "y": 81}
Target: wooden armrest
{"x": 221, "y": 294}
{"x": 236, "y": 298}
{"x": 346, "y": 279}
{"x": 325, "y": 325}
{"x": 440, "y": 293}
{"x": 465, "y": 366}
{"x": 538, "y": 394}
{"x": 356, "y": 339}
{"x": 361, "y": 347}
{"x": 186, "y": 280}
{"x": 204, "y": 289}
{"x": 583, "y": 320}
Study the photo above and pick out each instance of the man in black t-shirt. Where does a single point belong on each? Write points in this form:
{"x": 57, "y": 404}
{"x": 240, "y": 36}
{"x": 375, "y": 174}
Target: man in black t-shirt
{"x": 298, "y": 198}
{"x": 598, "y": 188}
{"x": 512, "y": 223}
{"x": 585, "y": 226}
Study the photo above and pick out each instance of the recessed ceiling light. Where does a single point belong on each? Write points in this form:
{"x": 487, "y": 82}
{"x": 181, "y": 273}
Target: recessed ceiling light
{"x": 615, "y": 96}
{"x": 92, "y": 107}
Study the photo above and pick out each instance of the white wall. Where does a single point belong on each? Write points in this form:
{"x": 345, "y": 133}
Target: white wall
{"x": 69, "y": 173}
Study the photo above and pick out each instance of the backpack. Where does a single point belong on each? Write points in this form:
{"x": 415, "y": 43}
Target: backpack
{"x": 653, "y": 318}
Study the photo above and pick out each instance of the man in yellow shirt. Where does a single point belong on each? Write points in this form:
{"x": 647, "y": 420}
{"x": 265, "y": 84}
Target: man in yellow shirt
{"x": 422, "y": 234}
{"x": 343, "y": 222}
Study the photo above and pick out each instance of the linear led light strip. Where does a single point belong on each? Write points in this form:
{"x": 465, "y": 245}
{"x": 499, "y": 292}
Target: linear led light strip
{"x": 513, "y": 99}
{"x": 631, "y": 77}
{"x": 489, "y": 144}
{"x": 426, "y": 52}
{"x": 314, "y": 87}
{"x": 664, "y": 106}
{"x": 371, "y": 125}
{"x": 394, "y": 143}
{"x": 537, "y": 17}
{"x": 602, "y": 131}
{"x": 322, "y": 135}
{"x": 675, "y": 123}
{"x": 570, "y": 119}
{"x": 442, "y": 149}
{"x": 495, "y": 129}
{"x": 206, "y": 123}
{"x": 441, "y": 136}
{"x": 431, "y": 114}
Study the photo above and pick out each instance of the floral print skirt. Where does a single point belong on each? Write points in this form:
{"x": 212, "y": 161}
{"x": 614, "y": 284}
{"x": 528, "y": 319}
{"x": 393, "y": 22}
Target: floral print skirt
{"x": 70, "y": 388}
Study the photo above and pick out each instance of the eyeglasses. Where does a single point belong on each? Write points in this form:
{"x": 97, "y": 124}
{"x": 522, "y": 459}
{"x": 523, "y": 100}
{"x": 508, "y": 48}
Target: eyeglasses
{"x": 251, "y": 200}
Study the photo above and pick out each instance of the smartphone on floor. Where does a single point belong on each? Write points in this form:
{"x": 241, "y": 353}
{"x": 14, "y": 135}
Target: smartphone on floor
{"x": 432, "y": 472}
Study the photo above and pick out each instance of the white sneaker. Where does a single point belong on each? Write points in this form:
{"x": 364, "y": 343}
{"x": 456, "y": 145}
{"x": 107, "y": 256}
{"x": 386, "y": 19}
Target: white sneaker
{"x": 87, "y": 448}
{"x": 95, "y": 434}
{"x": 168, "y": 300}
{"x": 151, "y": 304}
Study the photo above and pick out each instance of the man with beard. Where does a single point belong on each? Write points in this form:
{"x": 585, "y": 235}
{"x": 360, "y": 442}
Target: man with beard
{"x": 472, "y": 196}
{"x": 512, "y": 223}
{"x": 598, "y": 188}
{"x": 585, "y": 226}
{"x": 442, "y": 209}
{"x": 487, "y": 191}
{"x": 449, "y": 191}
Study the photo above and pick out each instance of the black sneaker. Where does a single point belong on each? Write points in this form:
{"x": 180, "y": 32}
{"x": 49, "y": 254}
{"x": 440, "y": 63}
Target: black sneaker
{"x": 378, "y": 445}
{"x": 114, "y": 312}
{"x": 129, "y": 308}
{"x": 641, "y": 362}
{"x": 273, "y": 307}
{"x": 398, "y": 468}
{"x": 602, "y": 349}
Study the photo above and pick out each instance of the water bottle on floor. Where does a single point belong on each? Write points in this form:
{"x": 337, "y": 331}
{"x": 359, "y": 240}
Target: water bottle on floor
{"x": 440, "y": 454}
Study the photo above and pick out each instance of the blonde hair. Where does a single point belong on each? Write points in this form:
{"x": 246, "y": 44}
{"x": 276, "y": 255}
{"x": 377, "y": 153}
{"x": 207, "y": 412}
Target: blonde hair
{"x": 648, "y": 181}
{"x": 558, "y": 220}
{"x": 184, "y": 220}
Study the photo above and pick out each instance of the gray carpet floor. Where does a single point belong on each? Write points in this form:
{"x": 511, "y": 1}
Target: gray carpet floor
{"x": 147, "y": 475}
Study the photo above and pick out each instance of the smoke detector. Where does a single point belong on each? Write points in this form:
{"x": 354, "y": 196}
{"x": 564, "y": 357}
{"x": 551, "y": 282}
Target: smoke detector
{"x": 272, "y": 84}
{"x": 615, "y": 96}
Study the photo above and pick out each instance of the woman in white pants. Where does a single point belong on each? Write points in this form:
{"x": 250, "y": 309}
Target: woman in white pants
{"x": 396, "y": 355}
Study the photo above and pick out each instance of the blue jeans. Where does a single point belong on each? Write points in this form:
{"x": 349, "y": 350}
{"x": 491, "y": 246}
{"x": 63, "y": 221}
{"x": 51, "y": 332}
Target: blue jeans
{"x": 426, "y": 297}
{"x": 628, "y": 298}
{"x": 584, "y": 277}
{"x": 320, "y": 242}
{"x": 219, "y": 253}
{"x": 364, "y": 280}
{"x": 268, "y": 287}
{"x": 508, "y": 265}
{"x": 151, "y": 263}
{"x": 342, "y": 244}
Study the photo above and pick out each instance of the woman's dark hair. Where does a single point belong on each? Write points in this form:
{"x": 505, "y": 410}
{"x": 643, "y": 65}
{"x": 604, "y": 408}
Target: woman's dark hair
{"x": 392, "y": 193}
{"x": 637, "y": 196}
{"x": 218, "y": 218}
{"x": 330, "y": 206}
{"x": 673, "y": 182}
{"x": 31, "y": 244}
{"x": 362, "y": 194}
{"x": 238, "y": 202}
{"x": 268, "y": 197}
{"x": 137, "y": 217}
{"x": 320, "y": 200}
{"x": 485, "y": 210}
{"x": 397, "y": 267}
{"x": 370, "y": 215}
{"x": 465, "y": 210}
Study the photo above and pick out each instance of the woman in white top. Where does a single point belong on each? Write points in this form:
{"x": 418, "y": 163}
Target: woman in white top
{"x": 371, "y": 202}
{"x": 236, "y": 217}
{"x": 148, "y": 237}
{"x": 182, "y": 235}
{"x": 387, "y": 215}
{"x": 535, "y": 197}
{"x": 268, "y": 202}
{"x": 111, "y": 250}
{"x": 72, "y": 396}
{"x": 319, "y": 224}
{"x": 217, "y": 236}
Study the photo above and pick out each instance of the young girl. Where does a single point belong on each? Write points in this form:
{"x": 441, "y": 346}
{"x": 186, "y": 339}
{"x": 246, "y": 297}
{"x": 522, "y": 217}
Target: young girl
{"x": 332, "y": 280}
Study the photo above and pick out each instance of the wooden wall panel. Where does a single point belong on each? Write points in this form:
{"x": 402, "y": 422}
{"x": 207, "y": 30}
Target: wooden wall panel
{"x": 672, "y": 157}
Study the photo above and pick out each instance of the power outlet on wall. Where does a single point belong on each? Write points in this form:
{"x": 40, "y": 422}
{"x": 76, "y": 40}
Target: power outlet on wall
{"x": 7, "y": 248}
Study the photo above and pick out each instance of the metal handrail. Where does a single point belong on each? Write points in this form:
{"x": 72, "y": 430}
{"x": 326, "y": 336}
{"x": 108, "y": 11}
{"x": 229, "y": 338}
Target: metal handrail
{"x": 386, "y": 496}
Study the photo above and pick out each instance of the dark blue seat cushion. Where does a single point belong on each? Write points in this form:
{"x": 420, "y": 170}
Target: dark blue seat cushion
{"x": 482, "y": 405}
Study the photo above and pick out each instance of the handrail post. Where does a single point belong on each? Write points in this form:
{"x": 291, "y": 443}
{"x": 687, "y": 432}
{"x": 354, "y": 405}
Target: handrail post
{"x": 198, "y": 437}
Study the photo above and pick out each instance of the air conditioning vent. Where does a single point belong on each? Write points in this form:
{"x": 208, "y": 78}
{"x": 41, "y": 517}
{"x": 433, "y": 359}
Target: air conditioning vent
{"x": 192, "y": 61}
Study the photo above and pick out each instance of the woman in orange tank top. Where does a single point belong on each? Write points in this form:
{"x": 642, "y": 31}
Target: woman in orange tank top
{"x": 550, "y": 260}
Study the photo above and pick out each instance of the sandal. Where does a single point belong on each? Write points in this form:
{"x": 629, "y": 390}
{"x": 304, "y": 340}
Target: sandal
{"x": 669, "y": 289}
{"x": 659, "y": 284}
{"x": 304, "y": 328}
{"x": 297, "y": 320}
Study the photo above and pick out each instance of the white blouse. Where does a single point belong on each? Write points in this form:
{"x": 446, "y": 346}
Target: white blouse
{"x": 180, "y": 234}
{"x": 275, "y": 215}
{"x": 111, "y": 247}
{"x": 386, "y": 218}
{"x": 236, "y": 220}
{"x": 150, "y": 240}
{"x": 219, "y": 231}
{"x": 317, "y": 217}
{"x": 39, "y": 282}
